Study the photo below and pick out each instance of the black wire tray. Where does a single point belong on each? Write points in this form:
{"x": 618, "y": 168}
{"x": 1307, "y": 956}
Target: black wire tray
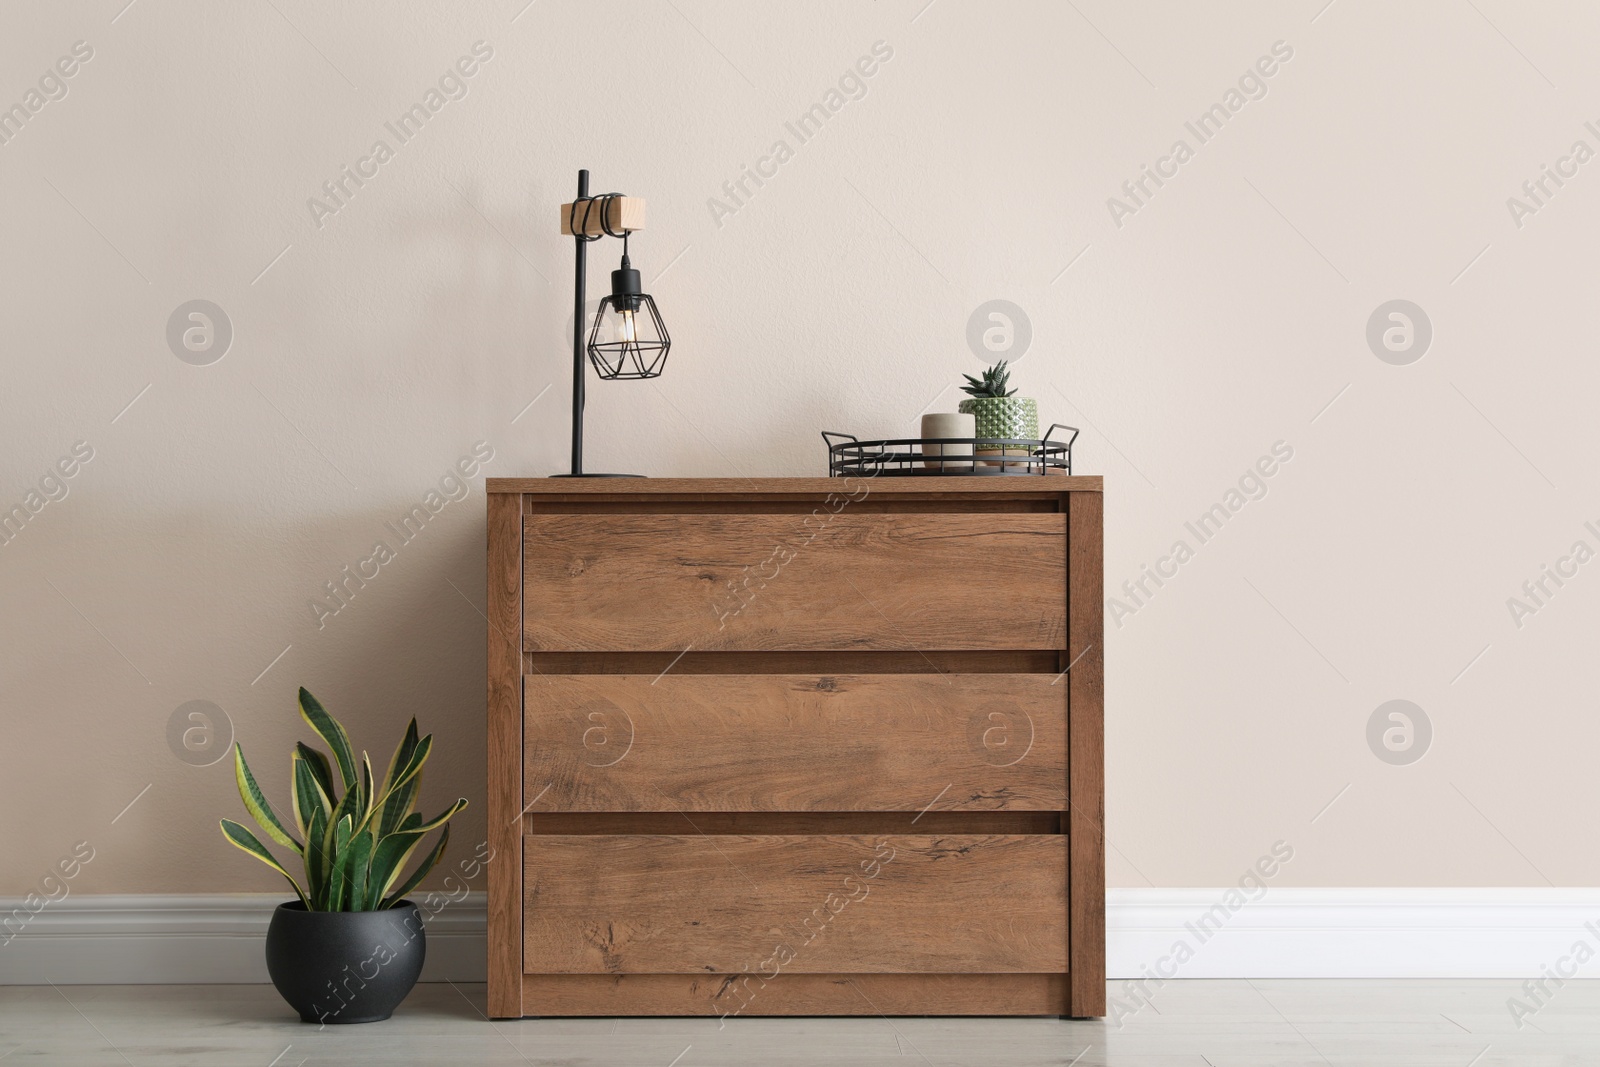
{"x": 905, "y": 457}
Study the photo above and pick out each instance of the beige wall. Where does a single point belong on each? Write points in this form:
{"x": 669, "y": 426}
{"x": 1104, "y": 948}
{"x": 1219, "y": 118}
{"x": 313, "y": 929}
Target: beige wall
{"x": 1226, "y": 312}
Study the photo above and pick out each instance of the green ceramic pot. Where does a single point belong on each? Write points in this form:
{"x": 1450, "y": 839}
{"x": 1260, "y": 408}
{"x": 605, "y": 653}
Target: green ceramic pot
{"x": 1008, "y": 417}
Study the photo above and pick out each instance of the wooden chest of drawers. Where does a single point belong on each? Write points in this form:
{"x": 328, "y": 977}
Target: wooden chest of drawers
{"x": 796, "y": 746}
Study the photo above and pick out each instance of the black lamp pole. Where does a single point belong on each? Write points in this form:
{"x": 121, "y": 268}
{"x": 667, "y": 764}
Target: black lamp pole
{"x": 578, "y": 372}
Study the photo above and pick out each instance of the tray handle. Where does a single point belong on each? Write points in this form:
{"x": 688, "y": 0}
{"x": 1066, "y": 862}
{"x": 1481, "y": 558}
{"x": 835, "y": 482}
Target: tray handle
{"x": 1060, "y": 426}
{"x": 828, "y": 435}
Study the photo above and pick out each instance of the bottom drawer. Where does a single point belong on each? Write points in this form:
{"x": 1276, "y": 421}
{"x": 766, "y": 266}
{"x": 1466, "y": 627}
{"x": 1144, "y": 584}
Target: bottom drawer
{"x": 834, "y": 904}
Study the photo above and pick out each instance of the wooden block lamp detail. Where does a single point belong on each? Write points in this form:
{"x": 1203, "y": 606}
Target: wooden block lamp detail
{"x": 621, "y": 214}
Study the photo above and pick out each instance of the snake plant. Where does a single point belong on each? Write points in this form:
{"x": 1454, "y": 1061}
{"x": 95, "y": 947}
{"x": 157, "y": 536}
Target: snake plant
{"x": 354, "y": 844}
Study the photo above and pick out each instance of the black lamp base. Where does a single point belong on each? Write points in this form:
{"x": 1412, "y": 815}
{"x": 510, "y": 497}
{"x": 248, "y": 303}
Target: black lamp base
{"x": 599, "y": 476}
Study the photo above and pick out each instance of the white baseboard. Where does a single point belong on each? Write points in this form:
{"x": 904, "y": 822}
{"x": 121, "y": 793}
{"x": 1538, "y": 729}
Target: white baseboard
{"x": 1288, "y": 933}
{"x": 1349, "y": 933}
{"x": 191, "y": 939}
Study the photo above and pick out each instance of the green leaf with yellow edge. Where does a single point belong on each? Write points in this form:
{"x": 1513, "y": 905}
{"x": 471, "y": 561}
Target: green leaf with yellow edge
{"x": 407, "y": 773}
{"x": 318, "y": 863}
{"x": 243, "y": 839}
{"x": 402, "y": 753}
{"x": 438, "y": 820}
{"x": 397, "y": 805}
{"x": 339, "y": 881}
{"x": 388, "y": 863}
{"x": 429, "y": 862}
{"x": 255, "y": 802}
{"x": 349, "y": 804}
{"x": 328, "y": 728}
{"x": 309, "y": 797}
{"x": 360, "y": 861}
{"x": 366, "y": 788}
{"x": 396, "y": 798}
{"x": 318, "y": 764}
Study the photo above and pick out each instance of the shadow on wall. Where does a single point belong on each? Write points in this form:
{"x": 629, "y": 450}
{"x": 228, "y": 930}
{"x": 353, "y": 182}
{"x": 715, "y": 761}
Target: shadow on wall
{"x": 473, "y": 338}
{"x": 158, "y": 586}
{"x": 205, "y": 609}
{"x": 497, "y": 329}
{"x": 410, "y": 640}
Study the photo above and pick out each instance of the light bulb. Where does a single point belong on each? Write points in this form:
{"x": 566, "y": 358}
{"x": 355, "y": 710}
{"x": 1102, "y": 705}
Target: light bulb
{"x": 628, "y": 334}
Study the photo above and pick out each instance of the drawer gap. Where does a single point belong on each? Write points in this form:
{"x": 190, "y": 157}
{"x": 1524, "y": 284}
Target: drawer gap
{"x": 1005, "y": 661}
{"x": 1000, "y": 505}
{"x": 793, "y": 823}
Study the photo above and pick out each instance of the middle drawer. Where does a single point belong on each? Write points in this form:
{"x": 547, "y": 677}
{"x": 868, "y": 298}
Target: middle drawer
{"x": 783, "y": 742}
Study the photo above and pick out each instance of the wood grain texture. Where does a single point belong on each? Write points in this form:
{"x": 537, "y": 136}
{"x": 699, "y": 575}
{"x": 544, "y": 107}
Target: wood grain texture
{"x": 621, "y": 213}
{"x": 779, "y": 742}
{"x": 622, "y": 891}
{"x": 810, "y": 905}
{"x": 929, "y": 661}
{"x": 737, "y": 996}
{"x": 1086, "y": 814}
{"x": 674, "y": 582}
{"x": 504, "y": 730}
{"x": 712, "y": 488}
{"x": 763, "y": 823}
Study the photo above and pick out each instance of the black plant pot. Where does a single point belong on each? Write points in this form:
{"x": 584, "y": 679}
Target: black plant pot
{"x": 345, "y": 966}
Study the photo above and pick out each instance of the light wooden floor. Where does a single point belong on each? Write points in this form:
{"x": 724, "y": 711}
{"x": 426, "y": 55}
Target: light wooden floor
{"x": 1263, "y": 1023}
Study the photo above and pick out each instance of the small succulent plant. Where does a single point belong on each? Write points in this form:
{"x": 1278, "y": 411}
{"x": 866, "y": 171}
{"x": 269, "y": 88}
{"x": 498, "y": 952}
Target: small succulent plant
{"x": 992, "y": 384}
{"x": 355, "y": 844}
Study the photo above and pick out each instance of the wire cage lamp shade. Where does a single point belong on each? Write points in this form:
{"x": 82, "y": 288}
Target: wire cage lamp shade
{"x": 629, "y": 339}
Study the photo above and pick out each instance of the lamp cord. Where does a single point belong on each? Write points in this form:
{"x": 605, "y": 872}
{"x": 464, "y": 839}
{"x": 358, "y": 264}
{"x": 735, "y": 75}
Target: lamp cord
{"x": 582, "y": 232}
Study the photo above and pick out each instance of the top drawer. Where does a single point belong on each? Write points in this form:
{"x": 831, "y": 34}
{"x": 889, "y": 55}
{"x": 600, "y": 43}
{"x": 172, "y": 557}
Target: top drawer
{"x": 668, "y": 582}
